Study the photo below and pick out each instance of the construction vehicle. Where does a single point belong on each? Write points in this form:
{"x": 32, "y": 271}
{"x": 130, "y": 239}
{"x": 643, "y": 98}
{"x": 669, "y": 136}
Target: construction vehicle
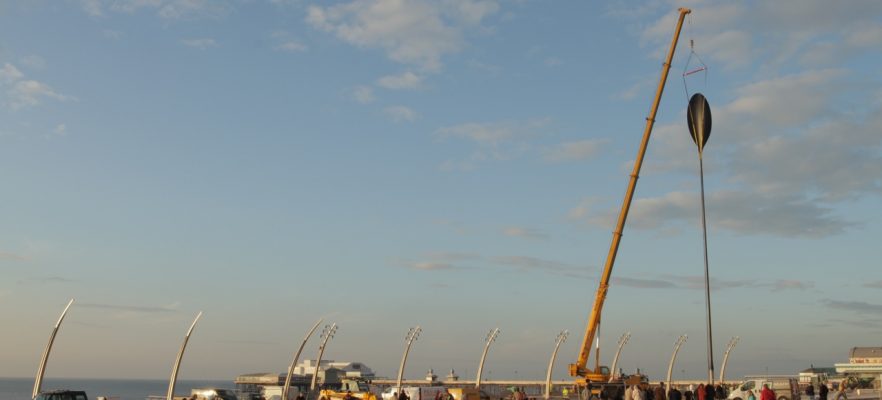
{"x": 590, "y": 382}
{"x": 347, "y": 389}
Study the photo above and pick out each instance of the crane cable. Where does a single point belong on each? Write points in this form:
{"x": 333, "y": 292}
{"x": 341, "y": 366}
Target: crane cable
{"x": 700, "y": 66}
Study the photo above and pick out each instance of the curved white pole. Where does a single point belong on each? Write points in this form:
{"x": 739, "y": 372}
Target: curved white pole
{"x": 174, "y": 376}
{"x": 38, "y": 382}
{"x": 297, "y": 357}
{"x": 561, "y": 337}
{"x": 412, "y": 335}
{"x": 622, "y": 341}
{"x": 326, "y": 335}
{"x": 491, "y": 337}
{"x": 680, "y": 341}
{"x": 729, "y": 348}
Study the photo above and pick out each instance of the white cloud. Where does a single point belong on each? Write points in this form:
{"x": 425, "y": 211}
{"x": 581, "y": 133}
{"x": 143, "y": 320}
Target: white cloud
{"x": 9, "y": 73}
{"x": 286, "y": 42}
{"x": 494, "y": 141}
{"x": 5, "y": 255}
{"x": 407, "y": 80}
{"x": 112, "y": 34}
{"x": 785, "y": 101}
{"x": 582, "y": 210}
{"x": 472, "y": 12}
{"x": 363, "y": 94}
{"x": 738, "y": 211}
{"x": 33, "y": 61}
{"x": 201, "y": 43}
{"x": 400, "y": 113}
{"x": 60, "y": 129}
{"x": 292, "y": 46}
{"x": 552, "y": 62}
{"x": 416, "y": 32}
{"x": 574, "y": 151}
{"x": 771, "y": 34}
{"x": 519, "y": 231}
{"x": 783, "y": 284}
{"x": 431, "y": 266}
{"x": 494, "y": 133}
{"x": 167, "y": 9}
{"x": 92, "y": 7}
{"x": 29, "y": 93}
{"x": 632, "y": 91}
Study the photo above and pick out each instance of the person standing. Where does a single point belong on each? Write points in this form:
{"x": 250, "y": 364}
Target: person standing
{"x": 822, "y": 391}
{"x": 659, "y": 392}
{"x": 810, "y": 391}
{"x": 700, "y": 393}
{"x": 750, "y": 395}
{"x": 767, "y": 394}
{"x": 674, "y": 394}
{"x": 709, "y": 392}
{"x": 637, "y": 393}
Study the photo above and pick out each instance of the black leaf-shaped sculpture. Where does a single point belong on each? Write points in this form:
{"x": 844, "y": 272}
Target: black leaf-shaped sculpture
{"x": 698, "y": 117}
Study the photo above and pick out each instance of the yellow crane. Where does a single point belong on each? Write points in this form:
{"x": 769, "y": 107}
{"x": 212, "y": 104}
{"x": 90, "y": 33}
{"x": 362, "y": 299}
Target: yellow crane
{"x": 589, "y": 380}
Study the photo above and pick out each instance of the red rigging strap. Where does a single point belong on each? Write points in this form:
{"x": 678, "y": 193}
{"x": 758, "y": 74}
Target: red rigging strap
{"x": 699, "y": 69}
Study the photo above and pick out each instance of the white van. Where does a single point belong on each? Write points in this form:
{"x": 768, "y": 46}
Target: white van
{"x": 785, "y": 387}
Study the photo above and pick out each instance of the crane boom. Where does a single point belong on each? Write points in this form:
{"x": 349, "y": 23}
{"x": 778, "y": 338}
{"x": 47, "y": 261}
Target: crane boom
{"x": 579, "y": 368}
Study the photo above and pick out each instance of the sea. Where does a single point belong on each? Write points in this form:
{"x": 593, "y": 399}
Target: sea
{"x": 115, "y": 389}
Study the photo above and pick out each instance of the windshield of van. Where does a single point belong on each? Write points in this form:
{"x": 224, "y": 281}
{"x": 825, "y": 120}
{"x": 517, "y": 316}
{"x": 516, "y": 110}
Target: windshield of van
{"x": 747, "y": 386}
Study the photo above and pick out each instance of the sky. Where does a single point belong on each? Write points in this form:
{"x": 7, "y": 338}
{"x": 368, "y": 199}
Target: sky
{"x": 452, "y": 164}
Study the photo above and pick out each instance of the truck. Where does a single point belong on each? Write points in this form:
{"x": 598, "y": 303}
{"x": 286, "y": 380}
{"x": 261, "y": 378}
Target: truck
{"x": 785, "y": 387}
{"x": 358, "y": 389}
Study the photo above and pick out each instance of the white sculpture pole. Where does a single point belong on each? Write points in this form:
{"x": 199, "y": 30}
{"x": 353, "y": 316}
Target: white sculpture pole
{"x": 297, "y": 357}
{"x": 327, "y": 334}
{"x": 174, "y": 376}
{"x": 622, "y": 341}
{"x": 412, "y": 335}
{"x": 38, "y": 382}
{"x": 491, "y": 337}
{"x": 680, "y": 341}
{"x": 561, "y": 337}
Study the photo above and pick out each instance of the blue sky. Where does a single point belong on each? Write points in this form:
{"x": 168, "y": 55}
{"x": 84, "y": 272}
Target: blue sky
{"x": 453, "y": 164}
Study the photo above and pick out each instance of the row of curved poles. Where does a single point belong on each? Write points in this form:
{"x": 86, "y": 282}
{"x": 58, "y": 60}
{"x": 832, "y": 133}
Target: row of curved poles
{"x": 411, "y": 336}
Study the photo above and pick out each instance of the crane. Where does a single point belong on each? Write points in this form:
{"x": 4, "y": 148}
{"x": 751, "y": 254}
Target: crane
{"x": 587, "y": 378}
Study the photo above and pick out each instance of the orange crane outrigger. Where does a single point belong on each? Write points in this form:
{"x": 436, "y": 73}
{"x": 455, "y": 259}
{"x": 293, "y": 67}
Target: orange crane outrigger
{"x": 589, "y": 380}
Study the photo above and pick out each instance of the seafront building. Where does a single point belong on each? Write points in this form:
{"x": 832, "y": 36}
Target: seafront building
{"x": 863, "y": 362}
{"x": 349, "y": 369}
{"x": 329, "y": 371}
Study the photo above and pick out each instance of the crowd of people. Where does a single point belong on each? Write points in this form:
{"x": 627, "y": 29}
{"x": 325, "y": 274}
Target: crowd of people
{"x": 644, "y": 391}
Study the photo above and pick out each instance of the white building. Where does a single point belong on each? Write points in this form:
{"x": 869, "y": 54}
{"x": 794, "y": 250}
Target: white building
{"x": 352, "y": 369}
{"x": 863, "y": 361}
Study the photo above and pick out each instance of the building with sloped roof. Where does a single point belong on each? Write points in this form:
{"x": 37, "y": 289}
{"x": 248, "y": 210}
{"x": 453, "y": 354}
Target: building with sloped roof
{"x": 862, "y": 362}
